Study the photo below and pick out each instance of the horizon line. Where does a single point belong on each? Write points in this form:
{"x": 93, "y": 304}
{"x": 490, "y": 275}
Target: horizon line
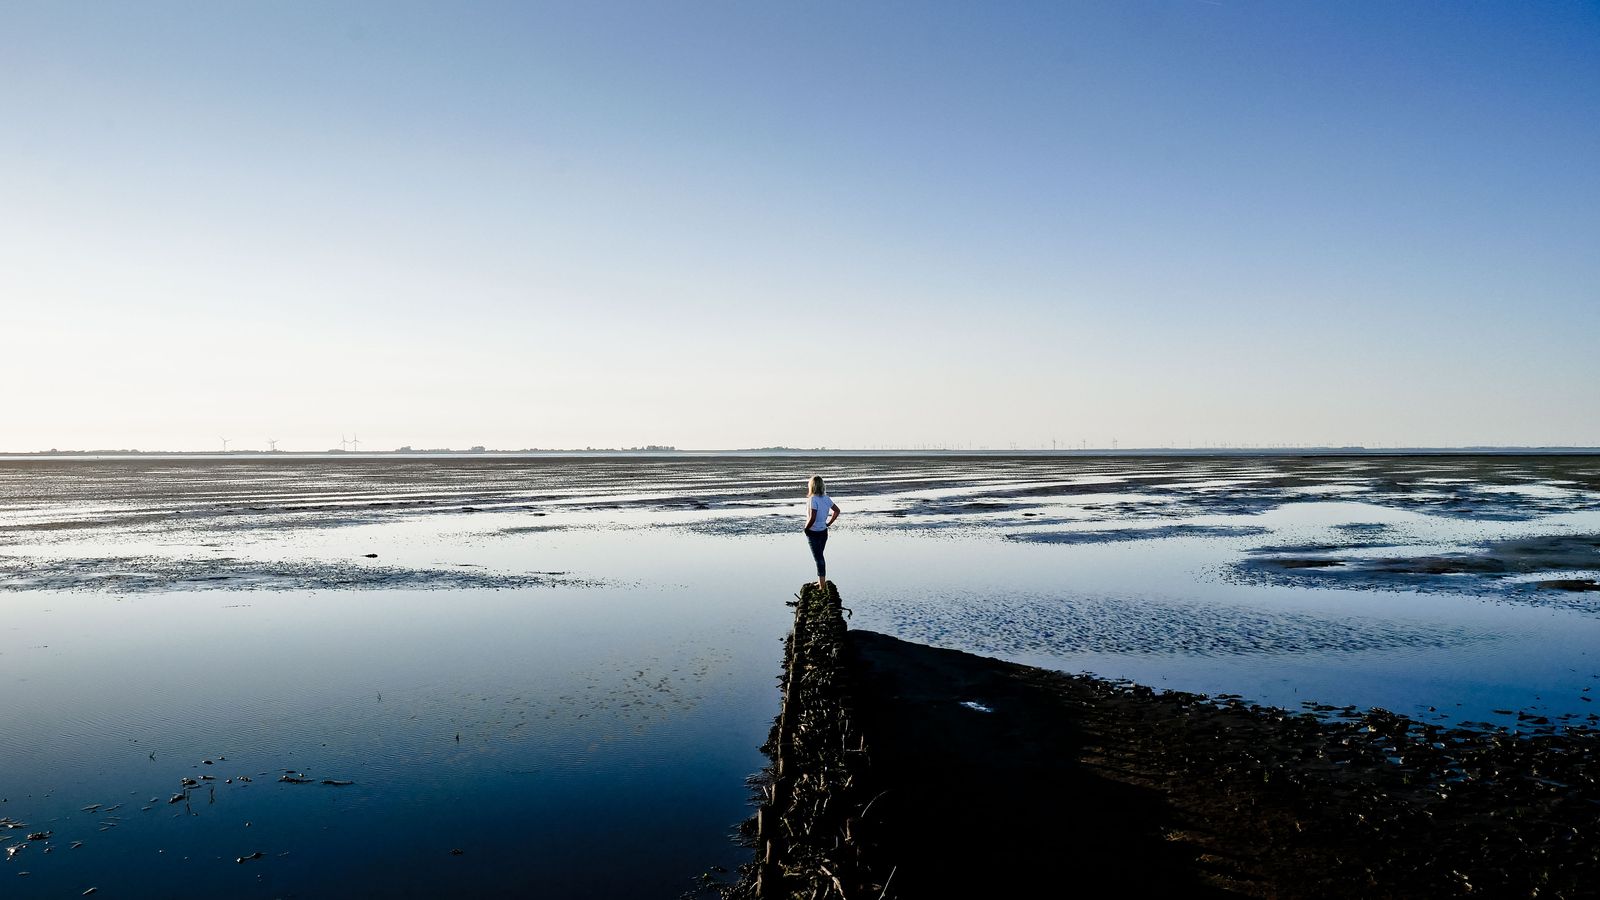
{"x": 661, "y": 451}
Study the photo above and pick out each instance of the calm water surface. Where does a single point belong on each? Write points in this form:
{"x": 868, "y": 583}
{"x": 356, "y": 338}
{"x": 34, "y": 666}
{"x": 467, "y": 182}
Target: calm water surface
{"x": 562, "y": 668}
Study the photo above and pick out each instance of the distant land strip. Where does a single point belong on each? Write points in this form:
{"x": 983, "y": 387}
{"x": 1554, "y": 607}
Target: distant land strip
{"x": 650, "y": 451}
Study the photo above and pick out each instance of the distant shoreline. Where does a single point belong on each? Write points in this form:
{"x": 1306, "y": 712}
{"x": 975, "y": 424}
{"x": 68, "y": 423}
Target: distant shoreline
{"x": 797, "y": 451}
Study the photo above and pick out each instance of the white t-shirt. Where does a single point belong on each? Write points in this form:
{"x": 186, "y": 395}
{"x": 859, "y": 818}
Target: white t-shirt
{"x": 823, "y": 506}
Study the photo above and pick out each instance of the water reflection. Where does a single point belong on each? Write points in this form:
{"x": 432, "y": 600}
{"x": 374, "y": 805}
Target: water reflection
{"x": 601, "y": 636}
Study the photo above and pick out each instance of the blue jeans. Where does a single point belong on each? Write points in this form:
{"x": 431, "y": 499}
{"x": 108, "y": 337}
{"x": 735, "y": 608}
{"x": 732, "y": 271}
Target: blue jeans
{"x": 818, "y": 540}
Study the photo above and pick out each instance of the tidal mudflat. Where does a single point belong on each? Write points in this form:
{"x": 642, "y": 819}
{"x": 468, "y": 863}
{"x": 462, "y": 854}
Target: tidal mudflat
{"x": 552, "y": 665}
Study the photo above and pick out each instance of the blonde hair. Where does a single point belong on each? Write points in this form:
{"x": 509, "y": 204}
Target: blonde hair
{"x": 814, "y": 486}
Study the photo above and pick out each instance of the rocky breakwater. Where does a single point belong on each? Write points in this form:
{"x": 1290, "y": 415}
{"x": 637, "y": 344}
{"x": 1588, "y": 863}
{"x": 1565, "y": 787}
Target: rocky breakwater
{"x": 901, "y": 770}
{"x": 812, "y": 831}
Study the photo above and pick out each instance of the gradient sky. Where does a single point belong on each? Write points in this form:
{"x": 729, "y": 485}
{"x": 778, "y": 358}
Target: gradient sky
{"x": 743, "y": 224}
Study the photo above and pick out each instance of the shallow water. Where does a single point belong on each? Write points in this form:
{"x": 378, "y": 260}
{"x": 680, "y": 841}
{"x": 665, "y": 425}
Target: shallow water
{"x": 562, "y": 667}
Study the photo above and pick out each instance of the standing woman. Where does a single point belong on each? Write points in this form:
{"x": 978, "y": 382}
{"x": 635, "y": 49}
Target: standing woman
{"x": 821, "y": 512}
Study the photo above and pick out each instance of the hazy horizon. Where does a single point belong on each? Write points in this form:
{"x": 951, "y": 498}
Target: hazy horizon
{"x": 720, "y": 225}
{"x": 1019, "y": 450}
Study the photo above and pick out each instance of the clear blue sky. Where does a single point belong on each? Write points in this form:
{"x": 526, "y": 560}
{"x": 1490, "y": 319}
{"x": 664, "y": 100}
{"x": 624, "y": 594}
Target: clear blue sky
{"x": 745, "y": 224}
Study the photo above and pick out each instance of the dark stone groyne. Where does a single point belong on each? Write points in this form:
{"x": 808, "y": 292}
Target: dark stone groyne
{"x": 901, "y": 770}
{"x": 812, "y": 836}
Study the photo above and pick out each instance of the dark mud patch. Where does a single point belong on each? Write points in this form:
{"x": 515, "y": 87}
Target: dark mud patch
{"x": 1502, "y": 568}
{"x": 531, "y": 529}
{"x": 1464, "y": 564}
{"x": 988, "y": 525}
{"x": 1463, "y": 501}
{"x": 287, "y": 520}
{"x": 1186, "y": 505}
{"x": 1553, "y": 552}
{"x": 963, "y": 506}
{"x": 1476, "y": 501}
{"x": 1568, "y": 584}
{"x": 1364, "y": 529}
{"x": 926, "y": 526}
{"x": 738, "y": 526}
{"x": 1114, "y": 535}
{"x": 10, "y": 530}
{"x": 1321, "y": 547}
{"x": 1291, "y": 563}
{"x": 143, "y": 574}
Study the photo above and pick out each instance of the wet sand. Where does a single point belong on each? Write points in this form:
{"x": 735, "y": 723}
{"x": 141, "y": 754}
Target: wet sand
{"x": 994, "y": 775}
{"x": 72, "y": 508}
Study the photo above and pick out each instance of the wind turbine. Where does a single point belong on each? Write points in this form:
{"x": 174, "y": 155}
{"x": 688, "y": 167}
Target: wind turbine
{"x": 355, "y": 443}
{"x": 272, "y": 445}
{"x": 344, "y": 442}
{"x": 224, "y": 444}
